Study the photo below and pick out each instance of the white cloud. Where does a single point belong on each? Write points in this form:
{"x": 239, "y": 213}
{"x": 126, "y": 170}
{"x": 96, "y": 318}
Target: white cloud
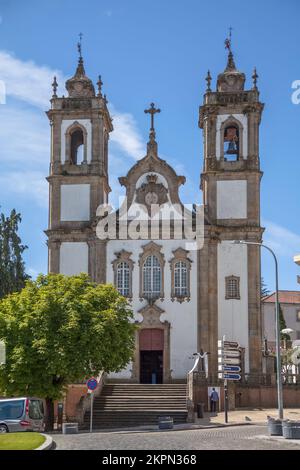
{"x": 126, "y": 134}
{"x": 24, "y": 136}
{"x": 31, "y": 184}
{"x": 27, "y": 81}
{"x": 282, "y": 240}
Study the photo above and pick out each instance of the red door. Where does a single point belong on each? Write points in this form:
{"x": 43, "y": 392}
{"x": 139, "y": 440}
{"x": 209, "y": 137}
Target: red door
{"x": 151, "y": 339}
{"x": 151, "y": 355}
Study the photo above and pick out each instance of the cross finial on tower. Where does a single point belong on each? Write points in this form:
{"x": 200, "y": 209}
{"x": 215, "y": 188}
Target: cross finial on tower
{"x": 228, "y": 40}
{"x": 152, "y": 111}
{"x": 230, "y": 61}
{"x": 79, "y": 46}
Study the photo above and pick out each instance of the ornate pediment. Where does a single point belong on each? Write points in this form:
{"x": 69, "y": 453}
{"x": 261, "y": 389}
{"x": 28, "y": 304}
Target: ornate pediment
{"x": 151, "y": 315}
{"x": 151, "y": 192}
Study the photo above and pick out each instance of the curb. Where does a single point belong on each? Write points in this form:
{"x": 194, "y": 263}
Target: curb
{"x": 47, "y": 445}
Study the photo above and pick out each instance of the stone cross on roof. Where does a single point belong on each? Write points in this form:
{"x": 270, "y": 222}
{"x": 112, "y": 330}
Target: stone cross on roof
{"x": 152, "y": 111}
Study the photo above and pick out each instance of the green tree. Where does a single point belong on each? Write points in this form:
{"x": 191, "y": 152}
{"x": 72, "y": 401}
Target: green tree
{"x": 264, "y": 290}
{"x": 282, "y": 325}
{"x": 12, "y": 267}
{"x": 59, "y": 330}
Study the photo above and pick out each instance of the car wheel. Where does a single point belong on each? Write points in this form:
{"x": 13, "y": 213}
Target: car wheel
{"x": 3, "y": 428}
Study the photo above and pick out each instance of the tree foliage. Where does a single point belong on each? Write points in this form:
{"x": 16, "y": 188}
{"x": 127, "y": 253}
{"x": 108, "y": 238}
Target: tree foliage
{"x": 282, "y": 325}
{"x": 264, "y": 290}
{"x": 62, "y": 329}
{"x": 12, "y": 267}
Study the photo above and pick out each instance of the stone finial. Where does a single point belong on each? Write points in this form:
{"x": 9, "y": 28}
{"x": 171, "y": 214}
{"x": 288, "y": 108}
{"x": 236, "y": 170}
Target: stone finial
{"x": 208, "y": 81}
{"x": 254, "y": 79}
{"x": 99, "y": 84}
{"x": 54, "y": 87}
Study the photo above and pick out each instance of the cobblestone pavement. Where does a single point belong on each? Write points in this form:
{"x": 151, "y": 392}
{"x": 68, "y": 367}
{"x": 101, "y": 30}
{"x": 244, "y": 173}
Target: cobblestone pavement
{"x": 236, "y": 437}
{"x": 257, "y": 416}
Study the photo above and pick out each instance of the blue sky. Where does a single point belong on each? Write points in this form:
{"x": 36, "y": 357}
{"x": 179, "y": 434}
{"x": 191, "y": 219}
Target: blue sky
{"x": 150, "y": 51}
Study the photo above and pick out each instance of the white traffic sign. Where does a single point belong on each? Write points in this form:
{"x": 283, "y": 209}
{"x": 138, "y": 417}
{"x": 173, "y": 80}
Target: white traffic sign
{"x": 231, "y": 361}
{"x": 231, "y": 344}
{"x": 231, "y": 353}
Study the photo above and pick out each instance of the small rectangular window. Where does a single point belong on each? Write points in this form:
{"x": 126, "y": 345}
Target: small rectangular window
{"x": 232, "y": 287}
{"x": 298, "y": 315}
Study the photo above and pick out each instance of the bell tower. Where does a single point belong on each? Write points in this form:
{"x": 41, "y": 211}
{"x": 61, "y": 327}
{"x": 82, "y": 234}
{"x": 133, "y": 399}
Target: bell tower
{"x": 230, "y": 119}
{"x": 78, "y": 180}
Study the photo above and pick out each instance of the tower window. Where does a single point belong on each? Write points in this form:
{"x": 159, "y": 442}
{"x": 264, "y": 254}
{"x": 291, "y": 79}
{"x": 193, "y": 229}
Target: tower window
{"x": 231, "y": 143}
{"x": 232, "y": 287}
{"x": 77, "y": 146}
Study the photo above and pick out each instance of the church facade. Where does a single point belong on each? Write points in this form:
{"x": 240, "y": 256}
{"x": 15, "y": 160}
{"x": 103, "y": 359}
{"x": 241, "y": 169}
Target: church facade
{"x": 185, "y": 295}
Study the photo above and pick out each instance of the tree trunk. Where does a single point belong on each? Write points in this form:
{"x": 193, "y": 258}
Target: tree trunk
{"x": 49, "y": 424}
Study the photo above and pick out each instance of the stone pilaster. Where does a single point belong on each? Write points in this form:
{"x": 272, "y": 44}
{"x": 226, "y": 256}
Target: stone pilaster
{"x": 53, "y": 256}
{"x": 254, "y": 310}
{"x": 97, "y": 260}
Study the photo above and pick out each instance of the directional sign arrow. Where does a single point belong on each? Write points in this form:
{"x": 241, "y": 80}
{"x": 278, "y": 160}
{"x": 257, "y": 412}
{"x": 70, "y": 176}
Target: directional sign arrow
{"x": 232, "y": 376}
{"x": 231, "y": 353}
{"x": 231, "y": 344}
{"x": 231, "y": 368}
{"x": 231, "y": 361}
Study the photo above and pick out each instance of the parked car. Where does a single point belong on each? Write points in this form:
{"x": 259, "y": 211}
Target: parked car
{"x": 21, "y": 414}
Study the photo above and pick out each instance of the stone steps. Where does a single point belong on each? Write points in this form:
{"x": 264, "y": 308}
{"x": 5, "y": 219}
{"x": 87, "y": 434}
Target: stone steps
{"x": 129, "y": 405}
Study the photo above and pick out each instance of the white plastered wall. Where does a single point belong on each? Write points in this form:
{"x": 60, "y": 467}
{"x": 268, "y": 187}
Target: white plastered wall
{"x": 74, "y": 258}
{"x": 75, "y": 202}
{"x": 233, "y": 313}
{"x": 66, "y": 123}
{"x": 232, "y": 199}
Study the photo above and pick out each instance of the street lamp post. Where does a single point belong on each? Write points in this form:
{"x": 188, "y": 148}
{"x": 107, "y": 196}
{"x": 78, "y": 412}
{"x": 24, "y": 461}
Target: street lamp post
{"x": 277, "y": 323}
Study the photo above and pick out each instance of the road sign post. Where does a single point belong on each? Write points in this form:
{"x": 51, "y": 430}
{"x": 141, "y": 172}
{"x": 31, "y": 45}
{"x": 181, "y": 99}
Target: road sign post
{"x": 92, "y": 384}
{"x": 91, "y": 416}
{"x": 226, "y": 400}
{"x": 229, "y": 361}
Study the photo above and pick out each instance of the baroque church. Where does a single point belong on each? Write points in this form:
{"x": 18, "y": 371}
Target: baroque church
{"x": 184, "y": 295}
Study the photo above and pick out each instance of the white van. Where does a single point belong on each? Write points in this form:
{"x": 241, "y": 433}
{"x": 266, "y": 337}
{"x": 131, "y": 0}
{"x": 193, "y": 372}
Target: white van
{"x": 21, "y": 414}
